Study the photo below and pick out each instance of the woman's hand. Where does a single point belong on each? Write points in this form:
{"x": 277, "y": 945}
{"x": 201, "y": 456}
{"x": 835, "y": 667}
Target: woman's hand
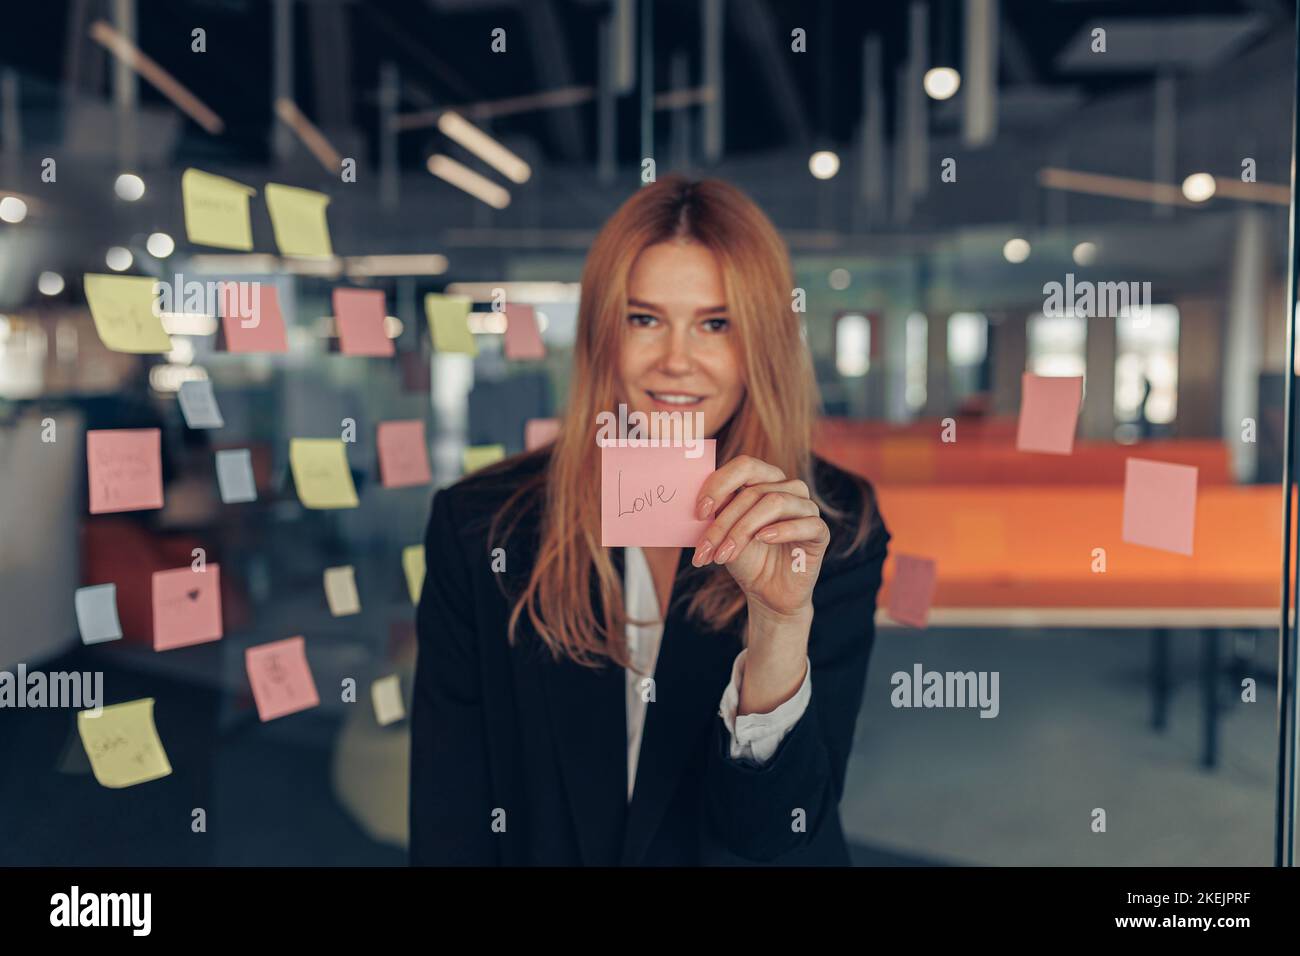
{"x": 760, "y": 518}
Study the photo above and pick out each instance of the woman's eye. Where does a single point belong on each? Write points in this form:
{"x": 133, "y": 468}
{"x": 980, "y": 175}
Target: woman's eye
{"x": 642, "y": 319}
{"x": 716, "y": 325}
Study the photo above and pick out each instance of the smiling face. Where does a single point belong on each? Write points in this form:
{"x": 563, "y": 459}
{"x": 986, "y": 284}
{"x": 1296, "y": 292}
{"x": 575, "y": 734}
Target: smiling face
{"x": 680, "y": 352}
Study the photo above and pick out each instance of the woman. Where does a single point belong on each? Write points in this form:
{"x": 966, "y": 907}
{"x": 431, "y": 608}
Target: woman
{"x": 653, "y": 706}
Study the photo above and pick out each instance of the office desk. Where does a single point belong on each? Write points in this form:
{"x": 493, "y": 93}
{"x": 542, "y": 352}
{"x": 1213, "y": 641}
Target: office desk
{"x": 1023, "y": 557}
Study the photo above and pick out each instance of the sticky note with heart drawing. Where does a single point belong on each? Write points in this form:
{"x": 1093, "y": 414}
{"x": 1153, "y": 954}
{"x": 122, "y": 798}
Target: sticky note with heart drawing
{"x": 186, "y": 607}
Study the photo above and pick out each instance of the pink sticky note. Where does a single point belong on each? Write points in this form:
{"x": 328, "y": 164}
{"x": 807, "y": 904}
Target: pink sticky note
{"x": 359, "y": 316}
{"x": 124, "y": 469}
{"x": 1049, "y": 411}
{"x": 186, "y": 607}
{"x": 281, "y": 680}
{"x": 255, "y": 329}
{"x": 403, "y": 455}
{"x": 523, "y": 337}
{"x": 1159, "y": 505}
{"x": 648, "y": 495}
{"x": 540, "y": 431}
{"x": 911, "y": 590}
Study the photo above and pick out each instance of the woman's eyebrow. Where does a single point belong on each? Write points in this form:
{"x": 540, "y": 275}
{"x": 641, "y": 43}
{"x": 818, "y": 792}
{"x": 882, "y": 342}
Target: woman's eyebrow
{"x": 707, "y": 310}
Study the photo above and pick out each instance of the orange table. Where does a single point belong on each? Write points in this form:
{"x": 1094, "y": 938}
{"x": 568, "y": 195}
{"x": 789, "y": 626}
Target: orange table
{"x": 1022, "y": 556}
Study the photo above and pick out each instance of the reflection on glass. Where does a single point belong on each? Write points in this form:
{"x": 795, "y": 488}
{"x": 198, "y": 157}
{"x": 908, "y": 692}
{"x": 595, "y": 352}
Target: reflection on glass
{"x": 853, "y": 345}
{"x": 1146, "y": 367}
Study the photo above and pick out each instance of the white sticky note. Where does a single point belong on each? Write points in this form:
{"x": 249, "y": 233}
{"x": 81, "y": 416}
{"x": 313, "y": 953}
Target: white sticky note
{"x": 199, "y": 405}
{"x": 97, "y": 613}
{"x": 387, "y": 696}
{"x": 341, "y": 591}
{"x": 235, "y": 476}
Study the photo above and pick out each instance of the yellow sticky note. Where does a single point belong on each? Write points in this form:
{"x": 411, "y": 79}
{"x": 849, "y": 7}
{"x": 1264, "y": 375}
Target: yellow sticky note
{"x": 122, "y": 744}
{"x": 449, "y": 322}
{"x": 216, "y": 210}
{"x": 386, "y": 694}
{"x": 298, "y": 220}
{"x": 341, "y": 591}
{"x": 320, "y": 473}
{"x": 480, "y": 456}
{"x": 413, "y": 565}
{"x": 123, "y": 310}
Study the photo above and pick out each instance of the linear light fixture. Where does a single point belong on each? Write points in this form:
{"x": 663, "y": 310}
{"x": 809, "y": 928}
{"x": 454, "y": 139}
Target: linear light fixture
{"x": 311, "y": 137}
{"x": 456, "y": 127}
{"x": 164, "y": 82}
{"x": 462, "y": 177}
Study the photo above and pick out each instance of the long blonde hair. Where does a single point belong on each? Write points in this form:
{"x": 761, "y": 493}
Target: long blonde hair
{"x": 773, "y": 422}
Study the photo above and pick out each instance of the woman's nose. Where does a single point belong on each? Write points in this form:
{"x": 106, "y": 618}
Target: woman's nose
{"x": 677, "y": 352}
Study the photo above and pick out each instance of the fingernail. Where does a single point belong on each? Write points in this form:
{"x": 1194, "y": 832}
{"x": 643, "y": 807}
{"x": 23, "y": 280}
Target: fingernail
{"x": 705, "y": 508}
{"x": 725, "y": 552}
{"x": 702, "y": 554}
{"x": 768, "y": 535}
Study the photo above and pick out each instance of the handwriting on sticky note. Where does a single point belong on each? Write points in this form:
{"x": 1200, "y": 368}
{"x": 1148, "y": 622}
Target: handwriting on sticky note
{"x": 280, "y": 678}
{"x": 123, "y": 310}
{"x": 321, "y": 474}
{"x": 298, "y": 221}
{"x": 648, "y": 495}
{"x": 403, "y": 454}
{"x": 359, "y": 317}
{"x": 122, "y": 744}
{"x": 186, "y": 607}
{"x": 124, "y": 469}
{"x": 216, "y": 210}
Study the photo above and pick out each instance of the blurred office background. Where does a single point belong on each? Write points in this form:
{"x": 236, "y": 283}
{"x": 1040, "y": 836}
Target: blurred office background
{"x": 1162, "y": 158}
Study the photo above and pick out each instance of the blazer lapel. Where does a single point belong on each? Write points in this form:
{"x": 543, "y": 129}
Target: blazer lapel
{"x": 692, "y": 670}
{"x": 589, "y": 720}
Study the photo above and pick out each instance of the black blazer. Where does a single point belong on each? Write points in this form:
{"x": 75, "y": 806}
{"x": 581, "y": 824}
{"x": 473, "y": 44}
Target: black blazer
{"x": 499, "y": 728}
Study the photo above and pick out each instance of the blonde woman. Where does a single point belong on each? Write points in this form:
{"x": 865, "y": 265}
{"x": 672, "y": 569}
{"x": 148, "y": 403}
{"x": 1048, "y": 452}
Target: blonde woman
{"x": 653, "y": 706}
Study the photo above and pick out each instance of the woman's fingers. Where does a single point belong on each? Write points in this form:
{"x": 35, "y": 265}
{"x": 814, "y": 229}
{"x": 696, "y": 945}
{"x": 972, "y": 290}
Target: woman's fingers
{"x": 736, "y": 474}
{"x": 811, "y": 530}
{"x": 748, "y": 513}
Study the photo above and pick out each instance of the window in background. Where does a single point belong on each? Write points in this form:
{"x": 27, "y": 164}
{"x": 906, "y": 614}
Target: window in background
{"x": 915, "y": 361}
{"x": 1057, "y": 344}
{"x": 1146, "y": 351}
{"x": 852, "y": 344}
{"x": 968, "y": 347}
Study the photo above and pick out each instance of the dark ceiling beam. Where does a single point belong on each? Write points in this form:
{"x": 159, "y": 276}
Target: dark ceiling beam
{"x": 417, "y": 56}
{"x": 551, "y": 57}
{"x": 1020, "y": 65}
{"x": 762, "y": 34}
{"x": 331, "y": 64}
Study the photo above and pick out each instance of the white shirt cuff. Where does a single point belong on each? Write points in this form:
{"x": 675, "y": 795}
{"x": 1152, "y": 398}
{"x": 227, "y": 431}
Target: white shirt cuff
{"x": 755, "y": 737}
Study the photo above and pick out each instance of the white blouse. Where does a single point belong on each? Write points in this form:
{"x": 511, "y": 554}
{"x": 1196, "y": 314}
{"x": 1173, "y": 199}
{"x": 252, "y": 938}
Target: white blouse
{"x": 754, "y": 737}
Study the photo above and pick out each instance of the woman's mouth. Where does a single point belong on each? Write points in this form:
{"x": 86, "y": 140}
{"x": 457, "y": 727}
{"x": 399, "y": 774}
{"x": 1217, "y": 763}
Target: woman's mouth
{"x": 676, "y": 399}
